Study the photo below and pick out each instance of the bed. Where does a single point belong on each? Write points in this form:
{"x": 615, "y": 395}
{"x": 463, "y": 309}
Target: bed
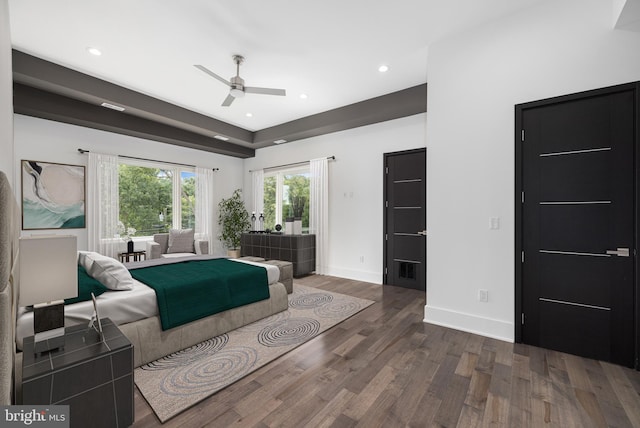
{"x": 136, "y": 313}
{"x": 9, "y": 232}
{"x": 140, "y": 322}
{"x": 151, "y": 342}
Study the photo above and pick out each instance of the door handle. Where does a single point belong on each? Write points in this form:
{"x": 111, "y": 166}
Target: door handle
{"x": 422, "y": 232}
{"x": 620, "y": 252}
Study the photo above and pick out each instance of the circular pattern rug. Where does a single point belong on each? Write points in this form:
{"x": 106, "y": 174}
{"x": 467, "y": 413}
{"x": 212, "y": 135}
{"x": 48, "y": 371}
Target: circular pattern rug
{"x": 178, "y": 381}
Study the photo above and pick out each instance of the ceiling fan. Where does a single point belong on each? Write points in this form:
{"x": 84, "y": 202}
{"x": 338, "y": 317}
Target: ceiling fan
{"x": 236, "y": 84}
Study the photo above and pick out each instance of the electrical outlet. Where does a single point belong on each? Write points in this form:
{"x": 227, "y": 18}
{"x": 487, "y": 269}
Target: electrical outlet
{"x": 361, "y": 259}
{"x": 483, "y": 295}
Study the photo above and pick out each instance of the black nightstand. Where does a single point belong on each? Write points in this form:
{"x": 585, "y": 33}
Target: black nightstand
{"x": 93, "y": 377}
{"x": 135, "y": 255}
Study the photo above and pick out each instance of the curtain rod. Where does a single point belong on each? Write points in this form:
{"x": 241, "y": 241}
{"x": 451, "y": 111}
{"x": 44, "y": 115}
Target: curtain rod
{"x": 289, "y": 164}
{"x": 83, "y": 151}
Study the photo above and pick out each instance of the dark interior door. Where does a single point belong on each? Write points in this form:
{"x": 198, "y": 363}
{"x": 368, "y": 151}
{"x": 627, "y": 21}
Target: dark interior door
{"x": 578, "y": 226}
{"x": 405, "y": 219}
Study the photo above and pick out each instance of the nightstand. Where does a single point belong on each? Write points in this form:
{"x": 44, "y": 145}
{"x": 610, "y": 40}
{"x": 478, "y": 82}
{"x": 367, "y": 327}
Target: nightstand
{"x": 93, "y": 377}
{"x": 135, "y": 255}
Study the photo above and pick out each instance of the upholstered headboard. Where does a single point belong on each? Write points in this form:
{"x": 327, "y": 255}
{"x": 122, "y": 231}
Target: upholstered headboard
{"x": 9, "y": 233}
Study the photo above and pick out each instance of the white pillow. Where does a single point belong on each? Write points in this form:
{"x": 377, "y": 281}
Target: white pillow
{"x": 110, "y": 272}
{"x": 176, "y": 255}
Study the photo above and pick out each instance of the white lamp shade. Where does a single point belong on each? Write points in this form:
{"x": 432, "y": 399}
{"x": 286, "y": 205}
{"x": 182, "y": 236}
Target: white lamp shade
{"x": 48, "y": 268}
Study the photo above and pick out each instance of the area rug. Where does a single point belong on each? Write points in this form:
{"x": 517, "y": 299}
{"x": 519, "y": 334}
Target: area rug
{"x": 176, "y": 382}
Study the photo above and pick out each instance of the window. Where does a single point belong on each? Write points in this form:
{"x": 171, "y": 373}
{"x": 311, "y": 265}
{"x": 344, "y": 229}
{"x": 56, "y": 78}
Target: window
{"x": 155, "y": 198}
{"x": 286, "y": 194}
{"x": 188, "y": 199}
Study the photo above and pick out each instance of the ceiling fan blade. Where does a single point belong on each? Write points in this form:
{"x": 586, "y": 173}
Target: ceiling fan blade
{"x": 265, "y": 91}
{"x": 227, "y": 101}
{"x": 212, "y": 74}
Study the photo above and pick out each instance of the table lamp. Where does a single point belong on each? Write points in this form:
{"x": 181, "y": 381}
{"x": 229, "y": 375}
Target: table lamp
{"x": 48, "y": 275}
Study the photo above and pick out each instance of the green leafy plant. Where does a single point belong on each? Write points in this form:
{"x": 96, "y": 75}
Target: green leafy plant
{"x": 234, "y": 219}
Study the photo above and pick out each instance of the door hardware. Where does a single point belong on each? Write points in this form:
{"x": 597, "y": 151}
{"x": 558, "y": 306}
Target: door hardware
{"x": 620, "y": 252}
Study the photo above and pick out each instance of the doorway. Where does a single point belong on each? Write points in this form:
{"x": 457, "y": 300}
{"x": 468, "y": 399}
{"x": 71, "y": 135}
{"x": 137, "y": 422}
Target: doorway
{"x": 576, "y": 224}
{"x": 405, "y": 263}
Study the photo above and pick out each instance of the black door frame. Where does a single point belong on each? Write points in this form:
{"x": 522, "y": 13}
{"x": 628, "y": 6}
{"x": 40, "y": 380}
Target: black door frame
{"x": 384, "y": 210}
{"x": 519, "y": 109}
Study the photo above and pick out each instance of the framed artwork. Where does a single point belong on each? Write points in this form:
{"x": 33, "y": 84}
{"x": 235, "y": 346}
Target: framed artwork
{"x": 53, "y": 196}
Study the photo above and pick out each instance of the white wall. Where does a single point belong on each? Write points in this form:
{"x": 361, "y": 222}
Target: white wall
{"x": 6, "y": 94}
{"x": 355, "y": 187}
{"x": 49, "y": 141}
{"x": 475, "y": 79}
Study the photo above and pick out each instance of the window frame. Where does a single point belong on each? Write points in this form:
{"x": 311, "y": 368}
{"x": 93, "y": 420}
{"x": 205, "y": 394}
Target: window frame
{"x": 279, "y": 173}
{"x": 176, "y": 187}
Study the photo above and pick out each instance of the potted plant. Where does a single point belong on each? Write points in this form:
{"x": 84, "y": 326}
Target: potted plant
{"x": 234, "y": 219}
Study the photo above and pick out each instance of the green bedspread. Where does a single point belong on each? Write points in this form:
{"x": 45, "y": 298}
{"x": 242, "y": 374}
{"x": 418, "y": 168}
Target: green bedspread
{"x": 190, "y": 290}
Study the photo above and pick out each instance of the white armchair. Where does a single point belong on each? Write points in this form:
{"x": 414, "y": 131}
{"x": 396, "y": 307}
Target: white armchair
{"x": 176, "y": 243}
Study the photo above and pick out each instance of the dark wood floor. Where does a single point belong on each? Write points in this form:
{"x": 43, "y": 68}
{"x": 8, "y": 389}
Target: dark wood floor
{"x": 385, "y": 367}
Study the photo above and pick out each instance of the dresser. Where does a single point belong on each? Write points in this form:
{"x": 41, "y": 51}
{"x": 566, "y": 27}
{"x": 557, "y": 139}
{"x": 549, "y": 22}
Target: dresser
{"x": 300, "y": 250}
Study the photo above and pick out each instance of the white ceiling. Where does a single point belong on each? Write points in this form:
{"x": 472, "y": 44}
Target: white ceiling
{"x": 329, "y": 49}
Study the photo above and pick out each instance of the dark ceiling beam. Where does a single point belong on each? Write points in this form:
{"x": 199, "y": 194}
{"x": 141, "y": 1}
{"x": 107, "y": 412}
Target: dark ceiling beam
{"x": 80, "y": 95}
{"x": 406, "y": 102}
{"x": 36, "y": 72}
{"x": 46, "y": 105}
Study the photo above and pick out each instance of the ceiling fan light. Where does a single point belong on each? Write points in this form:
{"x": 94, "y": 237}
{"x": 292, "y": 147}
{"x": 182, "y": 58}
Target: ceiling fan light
{"x": 237, "y": 93}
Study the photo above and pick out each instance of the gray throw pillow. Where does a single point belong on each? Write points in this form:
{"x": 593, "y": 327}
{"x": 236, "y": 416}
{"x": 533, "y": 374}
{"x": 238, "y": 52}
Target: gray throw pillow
{"x": 181, "y": 241}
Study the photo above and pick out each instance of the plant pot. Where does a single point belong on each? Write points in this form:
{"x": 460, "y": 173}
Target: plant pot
{"x": 233, "y": 254}
{"x": 288, "y": 226}
{"x": 297, "y": 226}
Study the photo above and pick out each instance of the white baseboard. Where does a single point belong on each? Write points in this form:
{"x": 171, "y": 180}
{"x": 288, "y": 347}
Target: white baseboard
{"x": 489, "y": 327}
{"x": 357, "y": 275}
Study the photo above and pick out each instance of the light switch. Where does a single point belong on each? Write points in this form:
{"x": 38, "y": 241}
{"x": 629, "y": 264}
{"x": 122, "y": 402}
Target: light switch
{"x": 495, "y": 223}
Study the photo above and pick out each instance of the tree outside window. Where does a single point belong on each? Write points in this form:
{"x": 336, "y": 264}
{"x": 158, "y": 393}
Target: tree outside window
{"x": 286, "y": 194}
{"x": 147, "y": 195}
{"x": 188, "y": 198}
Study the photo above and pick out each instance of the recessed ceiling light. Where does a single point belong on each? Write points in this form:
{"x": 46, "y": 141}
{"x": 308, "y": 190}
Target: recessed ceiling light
{"x": 220, "y": 137}
{"x": 112, "y": 106}
{"x": 249, "y": 114}
{"x": 94, "y": 51}
{"x": 279, "y": 141}
{"x": 383, "y": 69}
{"x": 303, "y": 96}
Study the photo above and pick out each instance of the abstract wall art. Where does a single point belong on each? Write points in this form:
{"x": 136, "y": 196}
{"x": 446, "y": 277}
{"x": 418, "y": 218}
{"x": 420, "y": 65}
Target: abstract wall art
{"x": 53, "y": 196}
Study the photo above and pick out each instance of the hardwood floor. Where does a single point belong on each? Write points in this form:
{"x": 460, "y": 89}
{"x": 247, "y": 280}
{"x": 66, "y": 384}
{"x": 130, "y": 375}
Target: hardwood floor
{"x": 385, "y": 367}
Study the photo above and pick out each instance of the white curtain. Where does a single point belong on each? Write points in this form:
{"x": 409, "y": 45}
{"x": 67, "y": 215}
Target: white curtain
{"x": 103, "y": 204}
{"x": 204, "y": 208}
{"x": 319, "y": 211}
{"x": 257, "y": 179}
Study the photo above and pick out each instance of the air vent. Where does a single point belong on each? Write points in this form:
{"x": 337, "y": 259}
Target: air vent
{"x": 112, "y": 106}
